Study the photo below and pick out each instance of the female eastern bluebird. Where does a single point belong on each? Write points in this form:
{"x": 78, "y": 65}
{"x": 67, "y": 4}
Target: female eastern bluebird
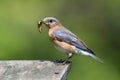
{"x": 64, "y": 40}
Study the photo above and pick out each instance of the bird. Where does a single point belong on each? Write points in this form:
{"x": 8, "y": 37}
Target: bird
{"x": 64, "y": 40}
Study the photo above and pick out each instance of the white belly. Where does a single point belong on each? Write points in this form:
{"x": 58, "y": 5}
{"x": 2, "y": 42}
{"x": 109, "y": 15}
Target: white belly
{"x": 62, "y": 49}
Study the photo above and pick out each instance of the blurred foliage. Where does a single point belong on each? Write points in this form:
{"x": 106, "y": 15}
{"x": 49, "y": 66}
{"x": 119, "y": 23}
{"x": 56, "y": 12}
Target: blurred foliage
{"x": 97, "y": 22}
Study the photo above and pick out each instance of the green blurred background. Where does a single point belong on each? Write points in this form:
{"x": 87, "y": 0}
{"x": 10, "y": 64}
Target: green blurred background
{"x": 97, "y": 22}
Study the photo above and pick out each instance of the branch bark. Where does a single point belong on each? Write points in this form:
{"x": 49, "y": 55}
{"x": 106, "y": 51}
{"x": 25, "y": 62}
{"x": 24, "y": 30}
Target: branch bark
{"x": 33, "y": 70}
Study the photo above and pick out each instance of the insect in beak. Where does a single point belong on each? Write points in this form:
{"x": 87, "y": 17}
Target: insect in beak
{"x": 40, "y": 26}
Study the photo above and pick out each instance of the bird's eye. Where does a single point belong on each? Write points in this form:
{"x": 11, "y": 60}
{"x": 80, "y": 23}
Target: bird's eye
{"x": 51, "y": 21}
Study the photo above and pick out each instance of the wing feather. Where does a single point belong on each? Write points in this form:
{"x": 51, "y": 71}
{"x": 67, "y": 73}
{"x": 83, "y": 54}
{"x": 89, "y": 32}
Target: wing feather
{"x": 65, "y": 35}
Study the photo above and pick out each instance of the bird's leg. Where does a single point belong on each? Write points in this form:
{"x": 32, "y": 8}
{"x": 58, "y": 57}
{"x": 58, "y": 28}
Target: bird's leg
{"x": 69, "y": 56}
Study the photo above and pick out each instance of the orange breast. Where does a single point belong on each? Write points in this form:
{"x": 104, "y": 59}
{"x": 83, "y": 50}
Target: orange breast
{"x": 67, "y": 48}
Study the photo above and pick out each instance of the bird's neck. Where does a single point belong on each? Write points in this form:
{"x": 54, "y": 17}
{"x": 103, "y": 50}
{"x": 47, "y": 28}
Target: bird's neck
{"x": 51, "y": 31}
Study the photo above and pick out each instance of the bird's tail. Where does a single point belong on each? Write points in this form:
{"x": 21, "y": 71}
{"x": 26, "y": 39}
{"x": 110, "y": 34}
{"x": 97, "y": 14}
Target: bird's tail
{"x": 90, "y": 54}
{"x": 96, "y": 58}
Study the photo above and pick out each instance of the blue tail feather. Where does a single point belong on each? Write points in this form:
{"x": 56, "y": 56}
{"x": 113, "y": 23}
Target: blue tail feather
{"x": 89, "y": 54}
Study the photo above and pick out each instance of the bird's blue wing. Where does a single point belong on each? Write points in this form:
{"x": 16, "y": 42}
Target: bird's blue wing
{"x": 64, "y": 35}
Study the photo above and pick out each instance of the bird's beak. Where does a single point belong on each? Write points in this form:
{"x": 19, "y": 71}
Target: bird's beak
{"x": 44, "y": 22}
{"x": 40, "y": 25}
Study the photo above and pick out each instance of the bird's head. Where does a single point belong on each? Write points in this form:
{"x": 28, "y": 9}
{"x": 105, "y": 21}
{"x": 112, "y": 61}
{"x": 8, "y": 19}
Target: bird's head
{"x": 49, "y": 22}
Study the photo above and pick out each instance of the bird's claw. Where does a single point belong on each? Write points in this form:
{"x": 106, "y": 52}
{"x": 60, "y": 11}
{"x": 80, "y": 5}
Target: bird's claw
{"x": 63, "y": 61}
